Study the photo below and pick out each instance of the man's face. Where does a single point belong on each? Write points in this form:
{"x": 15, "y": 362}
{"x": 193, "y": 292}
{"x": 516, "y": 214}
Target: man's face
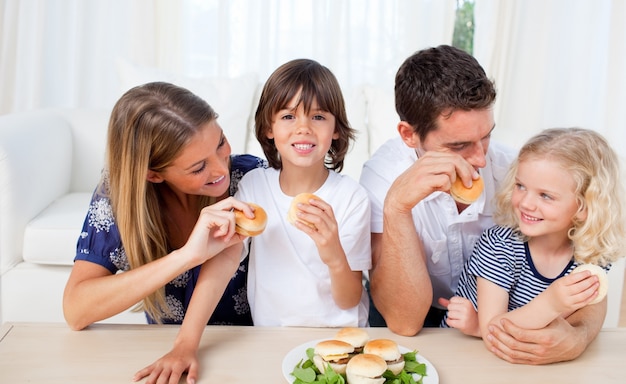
{"x": 466, "y": 133}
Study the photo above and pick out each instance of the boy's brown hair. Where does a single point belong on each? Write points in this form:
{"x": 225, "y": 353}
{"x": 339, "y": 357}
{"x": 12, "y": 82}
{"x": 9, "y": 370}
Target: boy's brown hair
{"x": 314, "y": 82}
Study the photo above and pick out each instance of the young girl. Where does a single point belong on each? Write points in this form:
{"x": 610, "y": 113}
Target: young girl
{"x": 560, "y": 206}
{"x": 299, "y": 275}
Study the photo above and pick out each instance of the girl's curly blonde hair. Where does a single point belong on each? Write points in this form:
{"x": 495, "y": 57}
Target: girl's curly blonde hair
{"x": 596, "y": 171}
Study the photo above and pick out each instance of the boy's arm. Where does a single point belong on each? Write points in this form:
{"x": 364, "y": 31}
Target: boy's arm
{"x": 346, "y": 284}
{"x": 212, "y": 280}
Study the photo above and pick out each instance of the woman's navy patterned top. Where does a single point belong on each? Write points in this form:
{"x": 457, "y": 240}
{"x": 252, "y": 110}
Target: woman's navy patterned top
{"x": 100, "y": 243}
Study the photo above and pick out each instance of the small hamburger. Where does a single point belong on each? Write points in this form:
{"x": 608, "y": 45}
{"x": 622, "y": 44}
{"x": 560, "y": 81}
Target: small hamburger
{"x": 388, "y": 350}
{"x": 251, "y": 227}
{"x": 357, "y": 337}
{"x": 464, "y": 195}
{"x": 334, "y": 353}
{"x": 366, "y": 369}
{"x": 302, "y": 198}
{"x": 602, "y": 278}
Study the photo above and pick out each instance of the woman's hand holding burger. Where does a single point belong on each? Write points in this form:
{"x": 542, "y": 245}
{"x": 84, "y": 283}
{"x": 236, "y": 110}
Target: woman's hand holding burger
{"x": 254, "y": 226}
{"x": 214, "y": 231}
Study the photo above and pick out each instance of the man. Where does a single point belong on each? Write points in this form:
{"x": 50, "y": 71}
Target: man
{"x": 421, "y": 237}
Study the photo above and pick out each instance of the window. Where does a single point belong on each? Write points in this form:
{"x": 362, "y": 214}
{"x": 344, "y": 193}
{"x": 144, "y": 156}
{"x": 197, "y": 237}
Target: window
{"x": 463, "y": 37}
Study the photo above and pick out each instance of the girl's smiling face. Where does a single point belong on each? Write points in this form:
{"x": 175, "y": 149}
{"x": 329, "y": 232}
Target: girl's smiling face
{"x": 202, "y": 168}
{"x": 544, "y": 198}
{"x": 302, "y": 138}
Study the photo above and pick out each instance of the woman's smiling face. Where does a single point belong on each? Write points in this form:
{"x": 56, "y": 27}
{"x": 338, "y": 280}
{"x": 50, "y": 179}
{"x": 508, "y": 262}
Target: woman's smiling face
{"x": 202, "y": 168}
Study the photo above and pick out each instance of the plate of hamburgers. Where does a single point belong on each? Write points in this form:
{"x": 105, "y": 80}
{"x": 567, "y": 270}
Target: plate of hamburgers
{"x": 340, "y": 354}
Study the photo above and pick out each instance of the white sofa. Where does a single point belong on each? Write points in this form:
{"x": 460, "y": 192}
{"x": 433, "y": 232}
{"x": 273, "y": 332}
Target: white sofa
{"x": 50, "y": 162}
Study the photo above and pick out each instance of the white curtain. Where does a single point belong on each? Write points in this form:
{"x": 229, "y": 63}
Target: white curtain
{"x": 556, "y": 63}
{"x": 360, "y": 41}
{"x": 65, "y": 53}
{"x": 60, "y": 53}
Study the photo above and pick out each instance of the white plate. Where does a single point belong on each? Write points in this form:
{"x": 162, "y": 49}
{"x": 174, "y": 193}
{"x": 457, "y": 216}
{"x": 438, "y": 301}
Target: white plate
{"x": 293, "y": 357}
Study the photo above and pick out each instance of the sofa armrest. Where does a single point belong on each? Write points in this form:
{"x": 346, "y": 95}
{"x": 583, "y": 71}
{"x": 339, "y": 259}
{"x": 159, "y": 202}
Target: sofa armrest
{"x": 35, "y": 169}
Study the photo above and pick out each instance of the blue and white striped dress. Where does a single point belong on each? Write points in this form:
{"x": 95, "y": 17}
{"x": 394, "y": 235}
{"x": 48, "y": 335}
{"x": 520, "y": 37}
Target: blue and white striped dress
{"x": 502, "y": 258}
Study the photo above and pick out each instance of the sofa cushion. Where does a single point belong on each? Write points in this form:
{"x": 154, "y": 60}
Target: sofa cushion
{"x": 50, "y": 238}
{"x": 34, "y": 293}
{"x": 35, "y": 163}
{"x": 89, "y": 135}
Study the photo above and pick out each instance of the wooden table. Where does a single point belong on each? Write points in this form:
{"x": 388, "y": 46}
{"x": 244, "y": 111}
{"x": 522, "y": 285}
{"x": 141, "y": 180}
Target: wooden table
{"x": 107, "y": 353}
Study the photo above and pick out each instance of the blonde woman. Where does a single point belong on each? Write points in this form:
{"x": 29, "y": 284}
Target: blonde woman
{"x": 162, "y": 209}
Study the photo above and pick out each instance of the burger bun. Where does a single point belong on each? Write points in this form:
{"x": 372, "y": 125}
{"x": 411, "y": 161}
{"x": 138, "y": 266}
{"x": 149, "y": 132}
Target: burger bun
{"x": 292, "y": 214}
{"x": 357, "y": 337}
{"x": 251, "y": 227}
{"x": 366, "y": 369}
{"x": 335, "y": 353}
{"x": 602, "y": 278}
{"x": 388, "y": 350}
{"x": 464, "y": 195}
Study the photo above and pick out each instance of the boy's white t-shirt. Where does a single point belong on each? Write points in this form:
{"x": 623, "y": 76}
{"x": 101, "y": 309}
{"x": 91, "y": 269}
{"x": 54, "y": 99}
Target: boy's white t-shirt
{"x": 288, "y": 284}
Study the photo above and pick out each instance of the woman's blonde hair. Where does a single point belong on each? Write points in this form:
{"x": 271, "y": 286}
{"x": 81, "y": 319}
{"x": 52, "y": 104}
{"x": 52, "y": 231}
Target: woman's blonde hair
{"x": 149, "y": 126}
{"x": 599, "y": 239}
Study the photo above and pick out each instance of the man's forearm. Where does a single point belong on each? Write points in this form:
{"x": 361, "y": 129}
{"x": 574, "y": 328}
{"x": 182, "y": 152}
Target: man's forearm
{"x": 400, "y": 283}
{"x": 562, "y": 340}
{"x": 588, "y": 321}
